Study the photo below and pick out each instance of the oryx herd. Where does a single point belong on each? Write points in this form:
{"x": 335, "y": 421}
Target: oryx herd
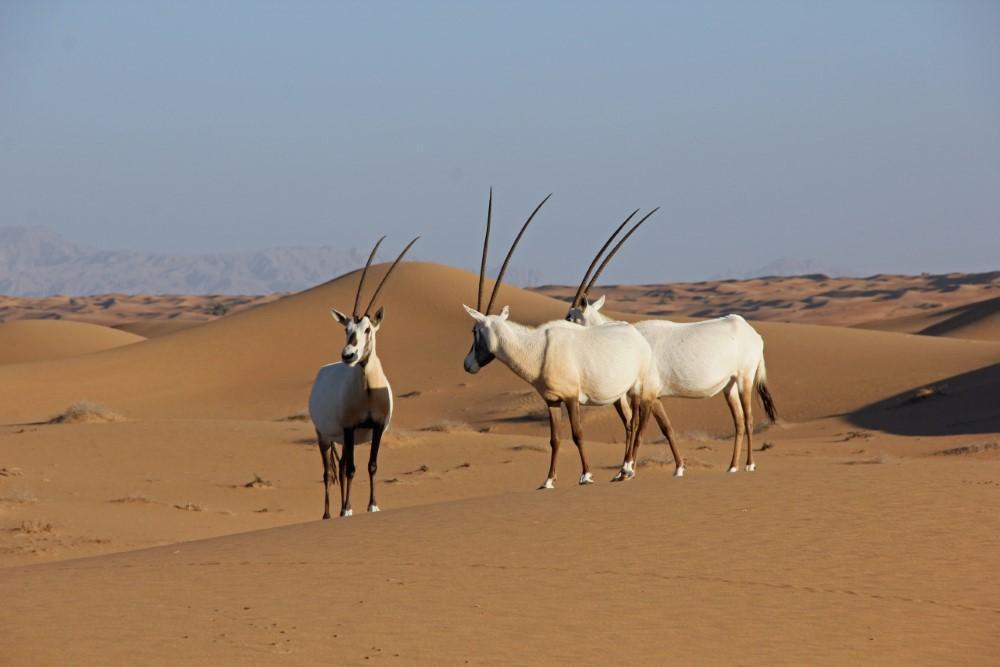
{"x": 585, "y": 359}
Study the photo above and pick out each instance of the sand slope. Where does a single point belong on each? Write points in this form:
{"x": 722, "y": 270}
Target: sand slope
{"x": 23, "y": 341}
{"x": 261, "y": 362}
{"x": 979, "y": 320}
{"x": 867, "y": 537}
{"x": 753, "y": 569}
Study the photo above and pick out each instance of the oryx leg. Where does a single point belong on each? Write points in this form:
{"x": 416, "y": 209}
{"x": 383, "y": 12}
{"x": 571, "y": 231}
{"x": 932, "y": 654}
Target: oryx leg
{"x": 573, "y": 408}
{"x": 644, "y": 411}
{"x": 628, "y": 464}
{"x": 373, "y": 465}
{"x": 746, "y": 402}
{"x": 347, "y": 473}
{"x": 625, "y": 413}
{"x": 668, "y": 432}
{"x": 732, "y": 397}
{"x": 324, "y": 452}
{"x": 555, "y": 417}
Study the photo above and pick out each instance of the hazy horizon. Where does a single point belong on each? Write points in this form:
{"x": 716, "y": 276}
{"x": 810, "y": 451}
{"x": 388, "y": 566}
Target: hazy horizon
{"x": 864, "y": 136}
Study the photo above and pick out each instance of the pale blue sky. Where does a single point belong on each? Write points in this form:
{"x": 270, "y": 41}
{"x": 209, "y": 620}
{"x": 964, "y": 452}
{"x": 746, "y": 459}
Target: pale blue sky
{"x": 864, "y": 134}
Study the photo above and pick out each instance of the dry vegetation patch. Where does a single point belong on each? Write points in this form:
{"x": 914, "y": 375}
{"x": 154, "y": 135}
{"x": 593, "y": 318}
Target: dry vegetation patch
{"x": 87, "y": 412}
{"x": 448, "y": 426}
{"x": 33, "y": 528}
{"x": 258, "y": 482}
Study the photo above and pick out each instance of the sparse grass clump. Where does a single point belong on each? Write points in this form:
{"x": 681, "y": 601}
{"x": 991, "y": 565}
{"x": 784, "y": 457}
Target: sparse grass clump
{"x": 297, "y": 417}
{"x": 258, "y": 482}
{"x": 448, "y": 426}
{"x": 33, "y": 528}
{"x": 132, "y": 500}
{"x": 189, "y": 507}
{"x": 86, "y": 412}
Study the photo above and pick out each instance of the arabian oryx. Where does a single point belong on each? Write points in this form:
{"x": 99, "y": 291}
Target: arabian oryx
{"x": 565, "y": 363}
{"x": 351, "y": 401}
{"x": 695, "y": 360}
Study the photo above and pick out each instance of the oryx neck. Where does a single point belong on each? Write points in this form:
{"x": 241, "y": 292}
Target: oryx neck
{"x": 520, "y": 348}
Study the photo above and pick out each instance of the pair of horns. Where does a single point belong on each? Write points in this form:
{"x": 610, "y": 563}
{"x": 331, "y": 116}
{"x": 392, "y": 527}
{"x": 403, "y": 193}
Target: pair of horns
{"x": 506, "y": 261}
{"x": 364, "y": 274}
{"x": 585, "y": 287}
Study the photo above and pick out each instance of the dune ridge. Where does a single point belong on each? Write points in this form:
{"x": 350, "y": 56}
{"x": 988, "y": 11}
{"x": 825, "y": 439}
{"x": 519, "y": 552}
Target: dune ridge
{"x": 25, "y": 341}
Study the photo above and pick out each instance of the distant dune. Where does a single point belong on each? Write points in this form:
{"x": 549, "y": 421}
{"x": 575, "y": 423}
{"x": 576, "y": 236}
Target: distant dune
{"x": 34, "y": 340}
{"x": 910, "y": 304}
{"x": 979, "y": 320}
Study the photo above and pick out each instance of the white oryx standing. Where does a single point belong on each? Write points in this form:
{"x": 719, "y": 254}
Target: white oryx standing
{"x": 351, "y": 401}
{"x": 565, "y": 363}
{"x": 696, "y": 360}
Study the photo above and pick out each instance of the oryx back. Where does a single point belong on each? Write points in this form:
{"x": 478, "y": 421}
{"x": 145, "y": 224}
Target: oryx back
{"x": 698, "y": 359}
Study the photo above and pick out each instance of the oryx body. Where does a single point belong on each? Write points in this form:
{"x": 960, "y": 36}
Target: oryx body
{"x": 351, "y": 401}
{"x": 699, "y": 360}
{"x": 566, "y": 363}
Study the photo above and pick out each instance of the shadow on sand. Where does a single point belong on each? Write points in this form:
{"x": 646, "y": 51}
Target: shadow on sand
{"x": 967, "y": 403}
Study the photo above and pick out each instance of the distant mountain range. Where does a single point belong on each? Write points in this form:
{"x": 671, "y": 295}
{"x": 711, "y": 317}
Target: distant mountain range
{"x": 788, "y": 266}
{"x": 36, "y": 261}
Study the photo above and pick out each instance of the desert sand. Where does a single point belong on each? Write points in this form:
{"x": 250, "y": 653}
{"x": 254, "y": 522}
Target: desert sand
{"x": 188, "y": 531}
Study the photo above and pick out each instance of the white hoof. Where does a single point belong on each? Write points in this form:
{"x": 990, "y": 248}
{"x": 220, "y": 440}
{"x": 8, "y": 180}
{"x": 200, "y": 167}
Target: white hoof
{"x": 346, "y": 512}
{"x": 547, "y": 484}
{"x": 679, "y": 472}
{"x": 733, "y": 469}
{"x": 751, "y": 467}
{"x": 373, "y": 508}
{"x": 619, "y": 476}
{"x": 586, "y": 478}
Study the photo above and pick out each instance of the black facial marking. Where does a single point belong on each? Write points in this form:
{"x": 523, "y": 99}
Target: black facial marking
{"x": 479, "y": 347}
{"x": 353, "y": 338}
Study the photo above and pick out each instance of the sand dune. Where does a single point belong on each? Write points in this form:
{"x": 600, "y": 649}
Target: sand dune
{"x": 809, "y": 299}
{"x": 24, "y": 341}
{"x": 260, "y": 363}
{"x": 154, "y": 328}
{"x": 979, "y": 320}
{"x": 867, "y": 535}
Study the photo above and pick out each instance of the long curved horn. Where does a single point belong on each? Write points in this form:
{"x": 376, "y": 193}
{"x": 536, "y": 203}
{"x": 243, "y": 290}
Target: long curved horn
{"x": 506, "y": 261}
{"x": 387, "y": 274}
{"x": 597, "y": 257}
{"x": 364, "y": 274}
{"x": 615, "y": 249}
{"x": 486, "y": 248}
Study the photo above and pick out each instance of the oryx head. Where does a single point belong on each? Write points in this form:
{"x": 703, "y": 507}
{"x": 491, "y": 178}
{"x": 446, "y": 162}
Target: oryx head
{"x": 361, "y": 328}
{"x": 360, "y": 336}
{"x": 484, "y": 340}
{"x": 581, "y": 309}
{"x": 586, "y": 313}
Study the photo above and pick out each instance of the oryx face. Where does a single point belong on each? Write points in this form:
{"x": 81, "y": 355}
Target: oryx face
{"x": 586, "y": 313}
{"x": 484, "y": 339}
{"x": 360, "y": 336}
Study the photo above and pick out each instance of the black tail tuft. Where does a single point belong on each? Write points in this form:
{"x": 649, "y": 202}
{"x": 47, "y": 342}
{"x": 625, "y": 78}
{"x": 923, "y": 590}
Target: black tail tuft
{"x": 768, "y": 401}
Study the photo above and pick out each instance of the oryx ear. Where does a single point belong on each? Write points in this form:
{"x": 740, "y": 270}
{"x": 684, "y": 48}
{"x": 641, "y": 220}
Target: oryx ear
{"x": 597, "y": 305}
{"x": 474, "y": 314}
{"x": 505, "y": 313}
{"x": 379, "y": 314}
{"x": 340, "y": 317}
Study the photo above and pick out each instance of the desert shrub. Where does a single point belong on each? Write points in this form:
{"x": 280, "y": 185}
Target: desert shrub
{"x": 86, "y": 412}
